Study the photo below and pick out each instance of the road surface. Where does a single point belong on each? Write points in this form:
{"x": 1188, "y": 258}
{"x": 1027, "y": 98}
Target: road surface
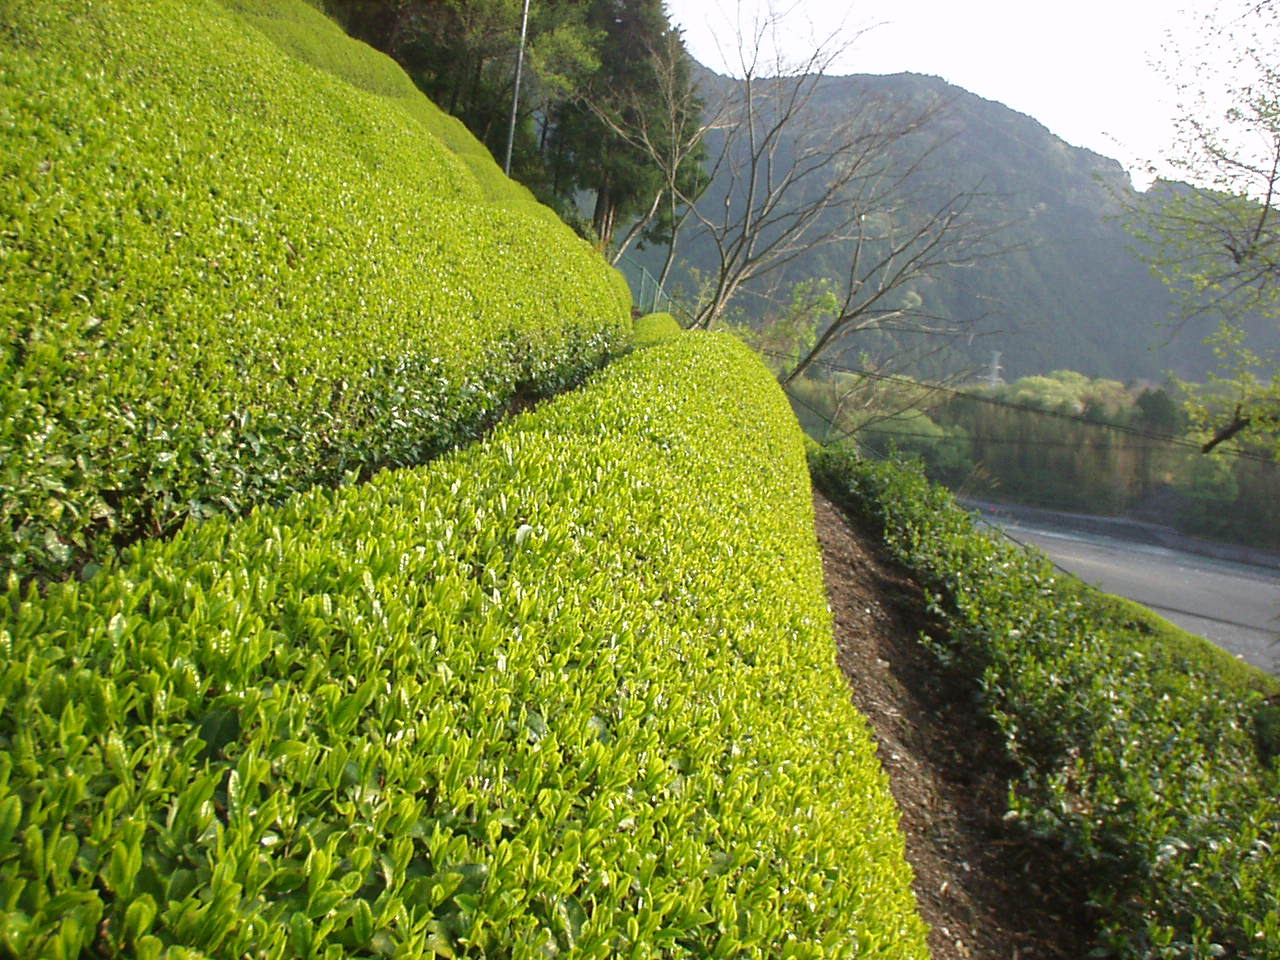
{"x": 1235, "y": 605}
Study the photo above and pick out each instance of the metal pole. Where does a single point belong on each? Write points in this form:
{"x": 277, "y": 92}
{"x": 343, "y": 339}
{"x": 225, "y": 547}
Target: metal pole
{"x": 515, "y": 94}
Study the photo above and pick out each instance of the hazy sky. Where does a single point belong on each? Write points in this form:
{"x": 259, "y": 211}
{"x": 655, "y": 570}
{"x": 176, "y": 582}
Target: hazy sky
{"x": 1080, "y": 68}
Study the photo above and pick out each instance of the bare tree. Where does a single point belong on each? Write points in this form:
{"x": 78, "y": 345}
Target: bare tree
{"x": 780, "y": 169}
{"x": 671, "y": 136}
{"x": 892, "y": 252}
{"x": 789, "y": 176}
{"x": 785, "y": 176}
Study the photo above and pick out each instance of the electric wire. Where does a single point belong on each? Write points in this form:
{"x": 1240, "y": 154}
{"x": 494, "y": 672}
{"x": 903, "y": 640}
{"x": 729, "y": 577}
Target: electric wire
{"x": 1163, "y": 438}
{"x": 1031, "y": 548}
{"x": 1010, "y": 441}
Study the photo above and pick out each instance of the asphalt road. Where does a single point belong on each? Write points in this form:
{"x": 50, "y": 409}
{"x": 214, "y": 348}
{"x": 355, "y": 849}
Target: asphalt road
{"x": 1235, "y": 605}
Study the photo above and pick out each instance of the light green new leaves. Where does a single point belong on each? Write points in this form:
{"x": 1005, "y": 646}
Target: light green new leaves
{"x": 569, "y": 692}
{"x": 236, "y": 260}
{"x": 654, "y": 327}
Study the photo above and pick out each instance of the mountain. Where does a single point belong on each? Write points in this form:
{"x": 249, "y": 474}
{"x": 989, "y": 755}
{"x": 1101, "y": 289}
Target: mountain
{"x": 1077, "y": 296}
{"x": 1071, "y": 292}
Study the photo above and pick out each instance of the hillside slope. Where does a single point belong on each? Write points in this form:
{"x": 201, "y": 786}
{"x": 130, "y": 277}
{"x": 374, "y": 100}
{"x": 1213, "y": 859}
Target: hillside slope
{"x": 565, "y": 691}
{"x": 227, "y": 273}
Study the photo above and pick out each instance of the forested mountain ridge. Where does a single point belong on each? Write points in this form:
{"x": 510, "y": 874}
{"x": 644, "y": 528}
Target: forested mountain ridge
{"x": 1070, "y": 291}
{"x": 1077, "y": 296}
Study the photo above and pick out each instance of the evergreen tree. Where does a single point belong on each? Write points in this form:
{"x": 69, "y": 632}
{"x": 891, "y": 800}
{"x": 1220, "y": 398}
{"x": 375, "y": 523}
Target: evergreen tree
{"x": 589, "y": 151}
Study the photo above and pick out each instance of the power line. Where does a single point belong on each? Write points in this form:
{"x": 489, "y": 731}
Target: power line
{"x": 810, "y": 407}
{"x": 1008, "y": 441}
{"x": 1030, "y": 547}
{"x": 1006, "y": 404}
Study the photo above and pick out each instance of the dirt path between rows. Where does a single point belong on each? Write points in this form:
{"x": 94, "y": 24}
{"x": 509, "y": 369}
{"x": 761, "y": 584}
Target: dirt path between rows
{"x": 986, "y": 890}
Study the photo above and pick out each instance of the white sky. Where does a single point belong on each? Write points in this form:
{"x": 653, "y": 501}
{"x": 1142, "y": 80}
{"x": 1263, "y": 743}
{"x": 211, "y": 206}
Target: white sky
{"x": 1083, "y": 69}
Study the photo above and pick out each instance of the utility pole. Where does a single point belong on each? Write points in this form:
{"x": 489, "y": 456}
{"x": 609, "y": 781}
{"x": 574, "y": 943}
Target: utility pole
{"x": 994, "y": 373}
{"x": 515, "y": 94}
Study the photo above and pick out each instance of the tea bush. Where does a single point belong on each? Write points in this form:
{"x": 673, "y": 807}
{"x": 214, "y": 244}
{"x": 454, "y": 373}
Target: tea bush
{"x": 570, "y": 691}
{"x": 1146, "y": 628}
{"x": 1137, "y": 755}
{"x": 654, "y": 328}
{"x": 300, "y": 29}
{"x": 237, "y": 258}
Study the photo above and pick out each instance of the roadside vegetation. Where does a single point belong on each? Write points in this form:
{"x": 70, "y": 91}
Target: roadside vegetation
{"x": 1144, "y": 752}
{"x": 1062, "y": 441}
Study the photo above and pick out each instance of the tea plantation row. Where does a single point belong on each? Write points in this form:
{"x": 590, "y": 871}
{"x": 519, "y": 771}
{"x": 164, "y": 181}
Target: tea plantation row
{"x": 240, "y": 255}
{"x": 569, "y": 691}
{"x": 1147, "y": 758}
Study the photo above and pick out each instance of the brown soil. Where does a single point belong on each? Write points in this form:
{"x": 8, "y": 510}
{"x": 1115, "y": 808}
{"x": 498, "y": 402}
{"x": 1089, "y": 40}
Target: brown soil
{"x": 986, "y": 889}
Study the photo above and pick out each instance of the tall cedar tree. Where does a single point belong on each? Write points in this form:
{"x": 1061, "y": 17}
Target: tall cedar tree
{"x": 668, "y": 122}
{"x": 588, "y": 154}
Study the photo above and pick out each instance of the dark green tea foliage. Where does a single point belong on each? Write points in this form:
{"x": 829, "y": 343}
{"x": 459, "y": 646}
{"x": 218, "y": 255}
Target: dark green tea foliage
{"x": 569, "y": 692}
{"x": 238, "y": 259}
{"x": 1143, "y": 759}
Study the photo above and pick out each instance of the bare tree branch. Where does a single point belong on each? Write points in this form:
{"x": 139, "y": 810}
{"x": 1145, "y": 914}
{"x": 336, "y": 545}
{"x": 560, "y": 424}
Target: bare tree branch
{"x": 672, "y": 137}
{"x": 886, "y": 264}
{"x": 788, "y": 177}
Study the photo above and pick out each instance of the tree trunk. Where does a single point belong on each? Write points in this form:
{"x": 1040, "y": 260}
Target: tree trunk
{"x": 636, "y": 229}
{"x": 605, "y": 212}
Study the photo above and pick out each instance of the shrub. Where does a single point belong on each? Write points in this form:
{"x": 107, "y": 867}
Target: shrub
{"x": 227, "y": 274}
{"x": 654, "y": 328}
{"x": 1138, "y": 755}
{"x": 571, "y": 691}
{"x": 1146, "y": 629}
{"x": 299, "y": 29}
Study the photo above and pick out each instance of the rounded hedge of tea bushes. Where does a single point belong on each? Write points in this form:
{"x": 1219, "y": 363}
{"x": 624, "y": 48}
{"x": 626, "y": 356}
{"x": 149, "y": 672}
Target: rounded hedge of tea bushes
{"x": 302, "y": 30}
{"x": 654, "y": 328}
{"x": 227, "y": 275}
{"x": 571, "y": 691}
